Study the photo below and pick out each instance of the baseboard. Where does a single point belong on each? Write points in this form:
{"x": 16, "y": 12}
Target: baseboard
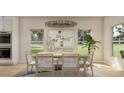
{"x": 6, "y": 64}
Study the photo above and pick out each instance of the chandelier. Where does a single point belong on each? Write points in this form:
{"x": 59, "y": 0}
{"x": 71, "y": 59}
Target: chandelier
{"x": 61, "y": 23}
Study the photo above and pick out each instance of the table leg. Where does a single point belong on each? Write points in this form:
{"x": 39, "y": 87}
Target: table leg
{"x": 85, "y": 60}
{"x": 57, "y": 66}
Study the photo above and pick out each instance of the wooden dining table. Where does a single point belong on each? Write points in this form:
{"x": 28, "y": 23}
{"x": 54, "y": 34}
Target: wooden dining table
{"x": 59, "y": 55}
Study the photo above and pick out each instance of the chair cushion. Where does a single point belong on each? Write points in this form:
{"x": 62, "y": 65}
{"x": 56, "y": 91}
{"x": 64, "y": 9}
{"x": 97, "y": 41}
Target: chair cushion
{"x": 87, "y": 65}
{"x": 32, "y": 63}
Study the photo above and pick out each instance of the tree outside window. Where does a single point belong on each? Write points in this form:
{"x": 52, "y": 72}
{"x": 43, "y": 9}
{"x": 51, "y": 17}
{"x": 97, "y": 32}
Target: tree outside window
{"x": 37, "y": 40}
{"x": 118, "y": 40}
{"x": 81, "y": 34}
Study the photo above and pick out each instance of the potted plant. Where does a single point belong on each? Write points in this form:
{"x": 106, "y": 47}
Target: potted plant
{"x": 88, "y": 41}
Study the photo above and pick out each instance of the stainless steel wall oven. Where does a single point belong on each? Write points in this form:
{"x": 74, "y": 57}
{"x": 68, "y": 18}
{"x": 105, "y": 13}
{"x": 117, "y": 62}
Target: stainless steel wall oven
{"x": 5, "y": 45}
{"x": 5, "y": 52}
{"x": 5, "y": 38}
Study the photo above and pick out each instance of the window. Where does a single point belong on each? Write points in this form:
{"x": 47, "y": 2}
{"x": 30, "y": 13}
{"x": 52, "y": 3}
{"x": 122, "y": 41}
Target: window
{"x": 82, "y": 48}
{"x": 118, "y": 40}
{"x": 37, "y": 40}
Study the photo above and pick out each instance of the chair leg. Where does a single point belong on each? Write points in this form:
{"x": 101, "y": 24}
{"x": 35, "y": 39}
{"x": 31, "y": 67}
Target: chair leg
{"x": 92, "y": 70}
{"x": 78, "y": 72}
{"x": 40, "y": 74}
{"x": 53, "y": 73}
{"x": 62, "y": 73}
{"x": 34, "y": 68}
{"x": 31, "y": 68}
{"x": 27, "y": 69}
{"x": 37, "y": 72}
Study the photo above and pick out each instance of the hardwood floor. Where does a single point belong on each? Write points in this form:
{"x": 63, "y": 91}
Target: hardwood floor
{"x": 11, "y": 70}
{"x": 100, "y": 70}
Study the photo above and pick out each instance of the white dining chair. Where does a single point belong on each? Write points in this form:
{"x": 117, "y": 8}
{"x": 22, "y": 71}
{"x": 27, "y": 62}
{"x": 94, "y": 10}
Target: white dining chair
{"x": 70, "y": 62}
{"x": 44, "y": 62}
{"x": 89, "y": 62}
{"x": 30, "y": 62}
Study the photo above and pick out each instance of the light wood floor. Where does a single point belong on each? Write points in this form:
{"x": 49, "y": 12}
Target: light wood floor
{"x": 100, "y": 70}
{"x": 11, "y": 70}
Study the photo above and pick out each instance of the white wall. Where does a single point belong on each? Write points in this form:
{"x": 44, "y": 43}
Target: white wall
{"x": 27, "y": 23}
{"x": 109, "y": 22}
{"x": 15, "y": 40}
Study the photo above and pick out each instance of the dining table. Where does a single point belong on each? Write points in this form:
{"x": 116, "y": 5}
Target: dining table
{"x": 58, "y": 56}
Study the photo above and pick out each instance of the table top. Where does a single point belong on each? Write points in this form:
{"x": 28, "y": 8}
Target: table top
{"x": 59, "y": 54}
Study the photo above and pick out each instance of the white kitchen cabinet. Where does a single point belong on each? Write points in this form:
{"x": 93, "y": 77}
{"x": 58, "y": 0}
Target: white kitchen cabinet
{"x": 6, "y": 23}
{"x": 11, "y": 24}
{"x": 0, "y": 23}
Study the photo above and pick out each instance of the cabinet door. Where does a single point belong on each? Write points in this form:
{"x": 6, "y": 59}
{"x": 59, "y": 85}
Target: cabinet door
{"x": 7, "y": 23}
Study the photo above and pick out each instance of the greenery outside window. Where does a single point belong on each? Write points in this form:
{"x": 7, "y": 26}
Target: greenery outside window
{"x": 81, "y": 34}
{"x": 37, "y": 40}
{"x": 118, "y": 40}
